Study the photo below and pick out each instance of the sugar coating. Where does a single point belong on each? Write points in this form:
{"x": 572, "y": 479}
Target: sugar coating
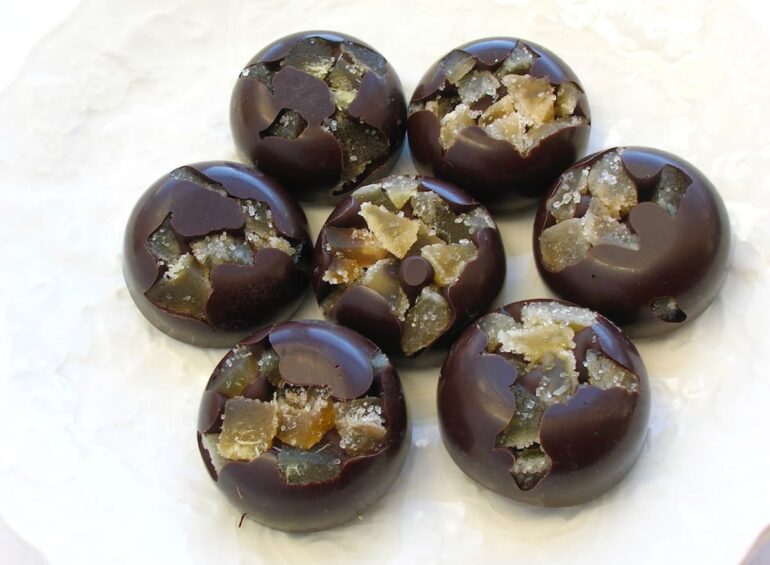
{"x": 248, "y": 429}
{"x": 493, "y": 325}
{"x": 524, "y": 428}
{"x": 426, "y": 321}
{"x": 183, "y": 289}
{"x": 361, "y": 425}
{"x": 289, "y": 124}
{"x": 476, "y": 85}
{"x": 400, "y": 189}
{"x": 163, "y": 243}
{"x": 209, "y": 443}
{"x": 547, "y": 313}
{"x": 605, "y": 373}
{"x": 220, "y": 249}
{"x": 519, "y": 61}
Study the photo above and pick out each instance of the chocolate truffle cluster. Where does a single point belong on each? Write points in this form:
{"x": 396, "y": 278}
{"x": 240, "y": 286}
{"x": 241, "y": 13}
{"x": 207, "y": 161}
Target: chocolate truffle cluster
{"x": 500, "y": 117}
{"x": 544, "y": 402}
{"x": 321, "y": 112}
{"x": 408, "y": 261}
{"x": 303, "y": 424}
{"x": 213, "y": 250}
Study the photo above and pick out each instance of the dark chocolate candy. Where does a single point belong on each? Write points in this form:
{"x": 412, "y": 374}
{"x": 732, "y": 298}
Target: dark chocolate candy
{"x": 383, "y": 310}
{"x": 666, "y": 265}
{"x": 342, "y": 485}
{"x": 532, "y": 434}
{"x": 501, "y": 174}
{"x": 196, "y": 224}
{"x": 320, "y": 111}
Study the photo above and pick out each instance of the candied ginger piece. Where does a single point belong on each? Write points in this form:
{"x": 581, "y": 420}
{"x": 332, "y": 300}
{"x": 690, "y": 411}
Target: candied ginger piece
{"x": 519, "y": 62}
{"x": 539, "y": 132}
{"x": 492, "y": 325}
{"x": 609, "y": 182}
{"x": 344, "y": 80}
{"x": 163, "y": 244}
{"x": 288, "y": 124}
{"x": 400, "y": 189}
{"x": 572, "y": 186}
{"x": 382, "y": 277}
{"x": 449, "y": 260}
{"x": 259, "y": 220}
{"x": 667, "y": 309}
{"x": 533, "y": 97}
{"x": 360, "y": 424}
{"x": 396, "y": 233}
{"x": 441, "y": 105}
{"x": 543, "y": 313}
{"x": 361, "y": 146}
{"x": 435, "y": 213}
{"x": 260, "y": 72}
{"x": 523, "y": 430}
{"x": 238, "y": 371}
{"x": 374, "y": 194}
{"x": 455, "y": 122}
{"x": 671, "y": 187}
{"x": 219, "y": 249}
{"x": 248, "y": 429}
{"x": 531, "y": 465}
{"x": 599, "y": 226}
{"x": 364, "y": 57}
{"x": 343, "y": 271}
{"x": 360, "y": 245}
{"x": 605, "y": 373}
{"x": 209, "y": 443}
{"x": 302, "y": 467}
{"x": 563, "y": 244}
{"x": 268, "y": 367}
{"x": 567, "y": 98}
{"x": 543, "y": 346}
{"x": 476, "y": 85}
{"x": 456, "y": 65}
{"x": 425, "y": 321}
{"x": 559, "y": 383}
{"x": 508, "y": 128}
{"x": 183, "y": 289}
{"x": 313, "y": 55}
{"x": 304, "y": 416}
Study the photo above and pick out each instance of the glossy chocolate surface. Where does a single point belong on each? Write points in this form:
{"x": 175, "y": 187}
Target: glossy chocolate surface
{"x": 490, "y": 169}
{"x": 684, "y": 257}
{"x": 242, "y": 297}
{"x": 313, "y": 353}
{"x": 365, "y": 311}
{"x": 593, "y": 440}
{"x": 311, "y": 165}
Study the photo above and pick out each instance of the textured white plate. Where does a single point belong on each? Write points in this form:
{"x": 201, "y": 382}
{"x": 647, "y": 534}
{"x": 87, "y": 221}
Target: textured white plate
{"x": 99, "y": 462}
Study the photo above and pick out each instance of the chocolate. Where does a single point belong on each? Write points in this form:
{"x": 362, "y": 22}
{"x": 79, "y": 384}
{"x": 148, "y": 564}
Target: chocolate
{"x": 637, "y": 234}
{"x": 544, "y": 402}
{"x": 320, "y": 111}
{"x": 213, "y": 250}
{"x": 303, "y": 425}
{"x": 408, "y": 262}
{"x": 499, "y": 117}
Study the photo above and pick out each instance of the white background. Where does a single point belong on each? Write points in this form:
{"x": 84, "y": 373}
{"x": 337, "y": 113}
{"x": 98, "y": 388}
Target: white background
{"x": 99, "y": 463}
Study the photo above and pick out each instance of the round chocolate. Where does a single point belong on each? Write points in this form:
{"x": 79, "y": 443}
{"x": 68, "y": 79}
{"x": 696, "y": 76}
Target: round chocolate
{"x": 499, "y": 117}
{"x": 544, "y": 402}
{"x": 637, "y": 234}
{"x": 214, "y": 250}
{"x": 303, "y": 425}
{"x": 322, "y": 112}
{"x": 408, "y": 262}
